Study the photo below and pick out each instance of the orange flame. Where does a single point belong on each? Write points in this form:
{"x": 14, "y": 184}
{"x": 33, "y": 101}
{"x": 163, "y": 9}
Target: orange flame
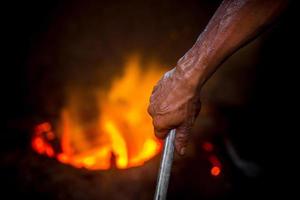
{"x": 122, "y": 134}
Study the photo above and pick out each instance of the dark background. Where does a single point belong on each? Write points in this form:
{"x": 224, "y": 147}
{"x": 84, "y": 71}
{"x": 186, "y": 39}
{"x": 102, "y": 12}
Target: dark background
{"x": 50, "y": 45}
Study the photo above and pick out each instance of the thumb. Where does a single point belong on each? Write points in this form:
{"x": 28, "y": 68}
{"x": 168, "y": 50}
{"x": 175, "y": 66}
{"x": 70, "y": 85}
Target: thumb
{"x": 183, "y": 131}
{"x": 182, "y": 136}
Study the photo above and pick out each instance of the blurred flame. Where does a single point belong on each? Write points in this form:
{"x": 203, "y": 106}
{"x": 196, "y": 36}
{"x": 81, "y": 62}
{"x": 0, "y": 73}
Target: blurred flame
{"x": 122, "y": 134}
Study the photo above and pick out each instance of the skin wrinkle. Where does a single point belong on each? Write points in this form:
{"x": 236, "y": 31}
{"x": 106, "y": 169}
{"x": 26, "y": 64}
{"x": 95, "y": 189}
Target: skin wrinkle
{"x": 175, "y": 101}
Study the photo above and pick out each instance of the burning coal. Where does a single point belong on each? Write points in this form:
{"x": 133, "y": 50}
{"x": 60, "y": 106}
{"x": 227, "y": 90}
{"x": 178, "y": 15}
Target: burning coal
{"x": 121, "y": 134}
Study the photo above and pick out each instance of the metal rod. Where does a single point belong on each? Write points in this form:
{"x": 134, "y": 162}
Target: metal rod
{"x": 165, "y": 167}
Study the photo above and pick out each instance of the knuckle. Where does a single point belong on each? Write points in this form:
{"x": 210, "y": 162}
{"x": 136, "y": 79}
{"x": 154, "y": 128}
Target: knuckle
{"x": 159, "y": 134}
{"x": 150, "y": 110}
{"x": 157, "y": 124}
{"x": 182, "y": 138}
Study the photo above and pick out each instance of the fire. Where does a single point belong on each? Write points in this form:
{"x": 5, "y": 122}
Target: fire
{"x": 120, "y": 136}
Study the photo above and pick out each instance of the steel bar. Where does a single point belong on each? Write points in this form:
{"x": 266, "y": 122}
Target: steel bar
{"x": 165, "y": 167}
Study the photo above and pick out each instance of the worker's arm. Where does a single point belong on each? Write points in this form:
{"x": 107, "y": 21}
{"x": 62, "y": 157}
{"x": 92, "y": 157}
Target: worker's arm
{"x": 174, "y": 102}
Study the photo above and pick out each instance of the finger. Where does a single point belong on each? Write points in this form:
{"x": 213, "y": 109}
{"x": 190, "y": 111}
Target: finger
{"x": 156, "y": 87}
{"x": 151, "y": 110}
{"x": 161, "y": 126}
{"x": 159, "y": 130}
{"x": 184, "y": 130}
{"x": 161, "y": 133}
{"x": 182, "y": 137}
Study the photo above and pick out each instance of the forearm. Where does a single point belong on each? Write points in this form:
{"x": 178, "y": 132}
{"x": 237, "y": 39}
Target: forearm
{"x": 234, "y": 24}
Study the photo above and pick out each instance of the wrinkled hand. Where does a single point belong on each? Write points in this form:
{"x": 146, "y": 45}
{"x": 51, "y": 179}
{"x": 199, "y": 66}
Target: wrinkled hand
{"x": 174, "y": 103}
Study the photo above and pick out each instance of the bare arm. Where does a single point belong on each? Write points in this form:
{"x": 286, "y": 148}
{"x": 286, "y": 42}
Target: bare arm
{"x": 175, "y": 102}
{"x": 234, "y": 23}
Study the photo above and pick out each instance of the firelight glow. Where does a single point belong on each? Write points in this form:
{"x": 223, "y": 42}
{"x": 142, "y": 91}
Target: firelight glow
{"x": 122, "y": 135}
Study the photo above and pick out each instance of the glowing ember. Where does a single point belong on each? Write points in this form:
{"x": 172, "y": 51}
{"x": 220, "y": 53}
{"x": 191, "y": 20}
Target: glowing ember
{"x": 215, "y": 171}
{"x": 122, "y": 134}
{"x": 207, "y": 146}
{"x": 216, "y": 165}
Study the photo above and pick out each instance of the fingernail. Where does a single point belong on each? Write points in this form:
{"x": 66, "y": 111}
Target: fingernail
{"x": 182, "y": 150}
